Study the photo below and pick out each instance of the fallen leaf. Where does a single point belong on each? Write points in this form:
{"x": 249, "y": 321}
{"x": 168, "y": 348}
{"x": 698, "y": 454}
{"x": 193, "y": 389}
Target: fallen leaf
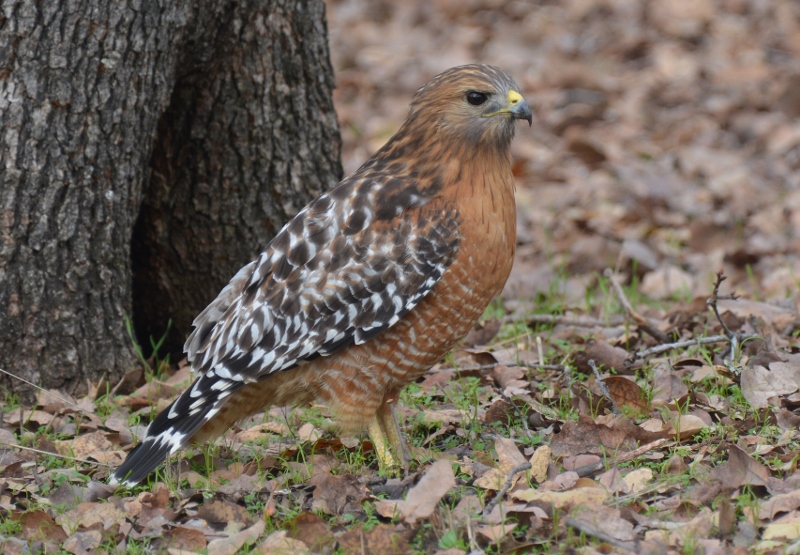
{"x": 562, "y": 499}
{"x": 278, "y": 543}
{"x": 606, "y": 520}
{"x": 588, "y": 437}
{"x": 383, "y": 539}
{"x": 760, "y": 384}
{"x": 83, "y": 542}
{"x": 785, "y": 531}
{"x": 740, "y": 469}
{"x": 638, "y": 479}
{"x": 220, "y": 512}
{"x": 495, "y": 534}
{"x": 781, "y": 503}
{"x": 308, "y": 433}
{"x": 312, "y": 530}
{"x": 233, "y": 543}
{"x": 423, "y": 498}
{"x": 39, "y": 526}
{"x": 686, "y": 426}
{"x": 540, "y": 461}
{"x": 335, "y": 495}
{"x": 183, "y": 538}
{"x": 508, "y": 457}
{"x": 627, "y": 393}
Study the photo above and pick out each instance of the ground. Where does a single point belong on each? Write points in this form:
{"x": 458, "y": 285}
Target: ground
{"x": 663, "y": 156}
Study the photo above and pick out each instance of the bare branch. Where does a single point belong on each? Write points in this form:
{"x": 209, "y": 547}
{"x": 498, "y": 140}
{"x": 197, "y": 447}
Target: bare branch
{"x": 641, "y": 322}
{"x": 603, "y": 387}
{"x": 506, "y": 486}
{"x": 590, "y": 469}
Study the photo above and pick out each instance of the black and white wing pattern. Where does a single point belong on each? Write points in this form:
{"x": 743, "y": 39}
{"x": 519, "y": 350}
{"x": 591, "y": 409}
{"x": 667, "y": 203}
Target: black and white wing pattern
{"x": 347, "y": 267}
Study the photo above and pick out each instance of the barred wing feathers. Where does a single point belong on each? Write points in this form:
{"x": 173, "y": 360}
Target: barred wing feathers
{"x": 347, "y": 267}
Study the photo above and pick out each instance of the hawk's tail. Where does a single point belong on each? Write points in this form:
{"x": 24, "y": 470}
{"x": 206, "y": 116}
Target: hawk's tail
{"x": 174, "y": 427}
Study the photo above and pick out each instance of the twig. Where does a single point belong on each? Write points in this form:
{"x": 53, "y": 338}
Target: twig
{"x": 590, "y": 530}
{"x": 36, "y": 476}
{"x": 589, "y": 469}
{"x": 658, "y": 349}
{"x": 498, "y": 363}
{"x": 56, "y": 455}
{"x": 506, "y": 486}
{"x": 523, "y": 418}
{"x": 641, "y": 322}
{"x": 540, "y": 349}
{"x": 715, "y": 297}
{"x": 603, "y": 387}
{"x": 557, "y": 319}
{"x": 67, "y": 401}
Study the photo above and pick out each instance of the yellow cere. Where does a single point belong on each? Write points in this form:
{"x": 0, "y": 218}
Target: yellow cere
{"x": 514, "y": 97}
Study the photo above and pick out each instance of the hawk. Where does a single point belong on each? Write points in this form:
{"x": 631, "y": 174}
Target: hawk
{"x": 369, "y": 285}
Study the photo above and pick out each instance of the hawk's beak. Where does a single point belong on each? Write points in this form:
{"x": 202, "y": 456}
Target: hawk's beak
{"x": 518, "y": 108}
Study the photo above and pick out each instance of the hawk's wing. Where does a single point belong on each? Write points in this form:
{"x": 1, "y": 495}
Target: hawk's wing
{"x": 347, "y": 267}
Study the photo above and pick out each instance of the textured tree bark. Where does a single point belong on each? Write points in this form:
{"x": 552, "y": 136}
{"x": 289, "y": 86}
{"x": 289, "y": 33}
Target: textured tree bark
{"x": 147, "y": 151}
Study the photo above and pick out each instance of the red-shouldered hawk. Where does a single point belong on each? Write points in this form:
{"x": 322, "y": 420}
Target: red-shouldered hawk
{"x": 369, "y": 285}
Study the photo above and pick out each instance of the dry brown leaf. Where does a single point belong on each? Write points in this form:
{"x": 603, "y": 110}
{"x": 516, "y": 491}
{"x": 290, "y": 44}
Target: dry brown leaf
{"x": 33, "y": 417}
{"x": 494, "y": 534}
{"x": 740, "y": 469}
{"x": 233, "y": 543}
{"x": 606, "y": 520}
{"x": 182, "y": 538}
{"x": 221, "y": 512}
{"x": 278, "y": 543}
{"x": 423, "y": 498}
{"x": 638, "y": 479}
{"x": 335, "y": 495}
{"x": 667, "y": 281}
{"x": 786, "y": 530}
{"x": 88, "y": 514}
{"x": 39, "y": 526}
{"x": 627, "y": 393}
{"x": 781, "y": 503}
{"x": 563, "y": 499}
{"x": 777, "y": 317}
{"x": 603, "y": 354}
{"x": 468, "y": 507}
{"x": 508, "y": 457}
{"x": 259, "y": 431}
{"x": 53, "y": 401}
{"x": 381, "y": 539}
{"x": 148, "y": 394}
{"x": 86, "y": 445}
{"x": 588, "y": 437}
{"x": 308, "y": 433}
{"x": 686, "y": 426}
{"x": 500, "y": 411}
{"x": 83, "y": 542}
{"x": 667, "y": 385}
{"x": 540, "y": 461}
{"x": 760, "y": 384}
{"x": 312, "y": 530}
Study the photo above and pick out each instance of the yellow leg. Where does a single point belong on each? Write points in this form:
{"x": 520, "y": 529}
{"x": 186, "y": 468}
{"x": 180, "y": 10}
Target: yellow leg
{"x": 390, "y": 446}
{"x": 386, "y": 459}
{"x": 387, "y": 418}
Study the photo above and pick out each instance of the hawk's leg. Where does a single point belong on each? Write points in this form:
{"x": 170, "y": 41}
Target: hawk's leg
{"x": 390, "y": 445}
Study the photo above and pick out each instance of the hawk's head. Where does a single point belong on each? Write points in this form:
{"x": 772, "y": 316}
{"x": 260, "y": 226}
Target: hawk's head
{"x": 476, "y": 103}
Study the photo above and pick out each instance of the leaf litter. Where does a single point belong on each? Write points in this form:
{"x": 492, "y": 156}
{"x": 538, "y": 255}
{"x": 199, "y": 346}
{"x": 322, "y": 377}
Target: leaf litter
{"x": 620, "y": 398}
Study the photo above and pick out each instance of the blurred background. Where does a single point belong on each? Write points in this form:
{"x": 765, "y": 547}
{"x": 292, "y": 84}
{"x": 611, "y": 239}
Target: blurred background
{"x": 665, "y": 143}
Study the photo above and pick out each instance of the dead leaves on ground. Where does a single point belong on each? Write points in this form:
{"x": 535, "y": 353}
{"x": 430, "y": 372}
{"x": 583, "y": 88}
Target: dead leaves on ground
{"x": 499, "y": 466}
{"x": 666, "y": 145}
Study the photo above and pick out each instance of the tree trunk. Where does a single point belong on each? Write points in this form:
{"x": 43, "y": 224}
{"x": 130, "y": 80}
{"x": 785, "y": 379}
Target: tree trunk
{"x": 148, "y": 150}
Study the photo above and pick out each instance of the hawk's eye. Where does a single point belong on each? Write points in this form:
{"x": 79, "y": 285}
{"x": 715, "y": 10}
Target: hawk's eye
{"x": 476, "y": 98}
